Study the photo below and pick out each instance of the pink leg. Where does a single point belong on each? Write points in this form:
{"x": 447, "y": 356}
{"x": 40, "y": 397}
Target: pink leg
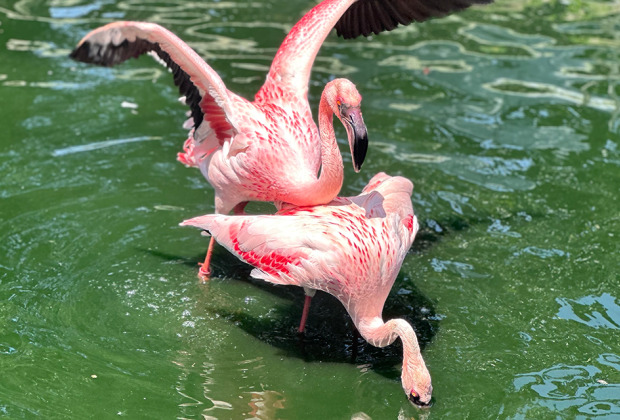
{"x": 304, "y": 314}
{"x": 205, "y": 267}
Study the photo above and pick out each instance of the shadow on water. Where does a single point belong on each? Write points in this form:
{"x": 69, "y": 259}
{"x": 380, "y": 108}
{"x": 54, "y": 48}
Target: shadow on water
{"x": 330, "y": 334}
{"x": 431, "y": 231}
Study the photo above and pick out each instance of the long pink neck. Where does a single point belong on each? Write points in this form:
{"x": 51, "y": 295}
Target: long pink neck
{"x": 381, "y": 334}
{"x": 294, "y": 59}
{"x": 329, "y": 183}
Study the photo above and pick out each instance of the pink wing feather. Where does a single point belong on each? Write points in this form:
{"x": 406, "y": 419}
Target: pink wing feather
{"x": 336, "y": 248}
{"x": 213, "y": 107}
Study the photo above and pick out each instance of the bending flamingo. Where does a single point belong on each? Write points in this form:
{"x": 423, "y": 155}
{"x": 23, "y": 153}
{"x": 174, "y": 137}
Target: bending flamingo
{"x": 269, "y": 149}
{"x": 352, "y": 248}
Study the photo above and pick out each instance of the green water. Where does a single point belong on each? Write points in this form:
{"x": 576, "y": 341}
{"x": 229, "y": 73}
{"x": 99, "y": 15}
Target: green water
{"x": 506, "y": 118}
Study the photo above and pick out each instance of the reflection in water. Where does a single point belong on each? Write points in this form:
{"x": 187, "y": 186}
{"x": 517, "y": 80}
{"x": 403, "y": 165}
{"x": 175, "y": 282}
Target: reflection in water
{"x": 594, "y": 311}
{"x": 498, "y": 35}
{"x": 73, "y": 11}
{"x": 406, "y": 107}
{"x": 264, "y": 405}
{"x": 541, "y": 252}
{"x": 151, "y": 74}
{"x": 15, "y": 83}
{"x": 589, "y": 71}
{"x": 511, "y": 134}
{"x": 572, "y": 390}
{"x": 496, "y": 41}
{"x": 177, "y": 18}
{"x": 462, "y": 269}
{"x": 41, "y": 48}
{"x": 413, "y": 63}
{"x": 494, "y": 173}
{"x": 544, "y": 90}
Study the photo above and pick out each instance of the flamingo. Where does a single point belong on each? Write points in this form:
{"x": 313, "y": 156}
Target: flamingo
{"x": 352, "y": 248}
{"x": 269, "y": 149}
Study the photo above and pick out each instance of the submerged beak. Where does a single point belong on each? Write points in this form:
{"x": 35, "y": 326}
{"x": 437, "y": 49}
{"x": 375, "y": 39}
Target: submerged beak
{"x": 352, "y": 119}
{"x": 415, "y": 400}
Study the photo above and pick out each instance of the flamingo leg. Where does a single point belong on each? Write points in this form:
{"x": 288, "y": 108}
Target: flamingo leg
{"x": 205, "y": 268}
{"x": 304, "y": 314}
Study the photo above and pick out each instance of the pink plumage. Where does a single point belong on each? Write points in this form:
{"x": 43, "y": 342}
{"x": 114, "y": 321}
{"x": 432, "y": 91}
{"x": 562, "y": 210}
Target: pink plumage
{"x": 269, "y": 149}
{"x": 266, "y": 150}
{"x": 352, "y": 248}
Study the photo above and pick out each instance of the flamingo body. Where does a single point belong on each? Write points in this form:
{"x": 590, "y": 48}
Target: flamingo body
{"x": 269, "y": 149}
{"x": 266, "y": 150}
{"x": 352, "y": 248}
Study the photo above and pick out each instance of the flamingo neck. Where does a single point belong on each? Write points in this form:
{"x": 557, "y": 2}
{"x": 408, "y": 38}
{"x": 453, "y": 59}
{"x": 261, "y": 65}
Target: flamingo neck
{"x": 294, "y": 59}
{"x": 381, "y": 334}
{"x": 329, "y": 183}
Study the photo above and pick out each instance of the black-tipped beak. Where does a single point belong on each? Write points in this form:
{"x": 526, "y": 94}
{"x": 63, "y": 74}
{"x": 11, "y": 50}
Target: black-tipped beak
{"x": 415, "y": 399}
{"x": 358, "y": 136}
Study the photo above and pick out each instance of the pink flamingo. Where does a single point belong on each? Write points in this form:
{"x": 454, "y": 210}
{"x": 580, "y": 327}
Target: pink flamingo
{"x": 269, "y": 149}
{"x": 352, "y": 248}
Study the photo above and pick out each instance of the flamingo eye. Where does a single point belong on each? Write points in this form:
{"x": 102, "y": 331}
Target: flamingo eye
{"x": 339, "y": 103}
{"x": 414, "y": 397}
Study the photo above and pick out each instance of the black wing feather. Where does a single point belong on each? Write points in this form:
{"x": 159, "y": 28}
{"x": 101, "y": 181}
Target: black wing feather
{"x": 384, "y": 19}
{"x": 402, "y": 11}
{"x": 355, "y": 21}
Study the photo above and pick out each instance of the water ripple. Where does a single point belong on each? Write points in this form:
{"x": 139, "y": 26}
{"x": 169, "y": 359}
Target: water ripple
{"x": 594, "y": 311}
{"x": 546, "y": 90}
{"x": 570, "y": 389}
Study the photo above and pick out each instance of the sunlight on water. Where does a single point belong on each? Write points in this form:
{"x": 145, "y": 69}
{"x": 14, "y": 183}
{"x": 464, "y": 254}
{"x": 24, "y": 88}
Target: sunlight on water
{"x": 506, "y": 118}
{"x": 608, "y": 315}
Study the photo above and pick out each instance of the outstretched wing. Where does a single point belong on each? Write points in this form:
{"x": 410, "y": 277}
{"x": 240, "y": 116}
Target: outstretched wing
{"x": 375, "y": 16}
{"x": 211, "y": 104}
{"x": 351, "y": 18}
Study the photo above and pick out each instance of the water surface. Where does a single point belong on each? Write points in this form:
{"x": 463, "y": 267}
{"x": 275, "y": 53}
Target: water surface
{"x": 506, "y": 118}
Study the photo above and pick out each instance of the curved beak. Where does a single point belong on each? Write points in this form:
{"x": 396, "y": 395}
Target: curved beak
{"x": 353, "y": 122}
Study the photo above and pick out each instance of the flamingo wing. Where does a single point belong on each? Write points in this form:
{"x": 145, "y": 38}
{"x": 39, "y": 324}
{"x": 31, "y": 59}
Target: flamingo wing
{"x": 274, "y": 244}
{"x": 375, "y": 16}
{"x": 335, "y": 248}
{"x": 293, "y": 62}
{"x": 211, "y": 104}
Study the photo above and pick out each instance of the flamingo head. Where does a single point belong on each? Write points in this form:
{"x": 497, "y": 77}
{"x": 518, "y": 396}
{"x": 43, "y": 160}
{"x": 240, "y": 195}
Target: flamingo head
{"x": 345, "y": 100}
{"x": 416, "y": 382}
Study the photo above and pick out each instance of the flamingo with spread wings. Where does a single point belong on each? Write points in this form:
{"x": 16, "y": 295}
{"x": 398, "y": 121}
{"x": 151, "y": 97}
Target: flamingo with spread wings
{"x": 352, "y": 248}
{"x": 269, "y": 149}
